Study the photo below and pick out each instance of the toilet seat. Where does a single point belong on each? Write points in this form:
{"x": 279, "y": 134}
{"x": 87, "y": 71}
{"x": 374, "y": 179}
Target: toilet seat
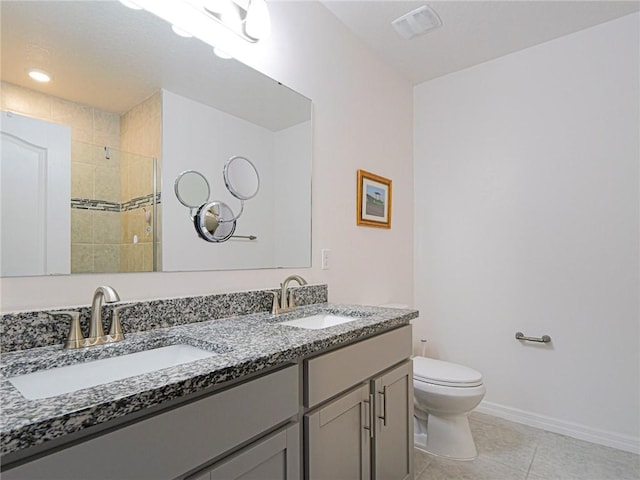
{"x": 443, "y": 373}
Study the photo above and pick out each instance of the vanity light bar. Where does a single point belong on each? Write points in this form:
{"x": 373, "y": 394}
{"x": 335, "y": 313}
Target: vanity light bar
{"x": 226, "y": 30}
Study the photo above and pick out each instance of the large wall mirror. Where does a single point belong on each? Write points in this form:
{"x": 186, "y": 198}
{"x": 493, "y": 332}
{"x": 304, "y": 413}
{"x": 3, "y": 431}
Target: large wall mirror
{"x": 132, "y": 107}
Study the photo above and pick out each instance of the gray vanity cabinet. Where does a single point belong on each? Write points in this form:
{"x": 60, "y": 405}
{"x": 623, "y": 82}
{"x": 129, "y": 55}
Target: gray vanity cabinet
{"x": 276, "y": 457}
{"x": 338, "y": 438}
{"x": 347, "y": 440}
{"x": 393, "y": 436}
{"x": 185, "y": 439}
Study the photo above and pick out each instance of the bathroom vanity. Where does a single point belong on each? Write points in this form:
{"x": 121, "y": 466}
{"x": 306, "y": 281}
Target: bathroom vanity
{"x": 269, "y": 401}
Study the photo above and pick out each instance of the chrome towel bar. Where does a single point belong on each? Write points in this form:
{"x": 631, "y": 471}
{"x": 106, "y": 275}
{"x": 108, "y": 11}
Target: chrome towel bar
{"x": 543, "y": 339}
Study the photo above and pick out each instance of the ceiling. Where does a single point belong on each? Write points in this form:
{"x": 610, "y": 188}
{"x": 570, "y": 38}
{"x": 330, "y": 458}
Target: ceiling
{"x": 472, "y": 32}
{"x": 110, "y": 57}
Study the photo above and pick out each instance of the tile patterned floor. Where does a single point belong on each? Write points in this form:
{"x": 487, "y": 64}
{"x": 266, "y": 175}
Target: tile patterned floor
{"x": 510, "y": 451}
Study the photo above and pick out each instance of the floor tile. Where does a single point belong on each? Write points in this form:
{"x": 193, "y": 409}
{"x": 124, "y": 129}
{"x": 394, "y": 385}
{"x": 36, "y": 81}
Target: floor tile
{"x": 420, "y": 462}
{"x": 444, "y": 469}
{"x": 510, "y": 444}
{"x": 561, "y": 457}
{"x": 511, "y": 451}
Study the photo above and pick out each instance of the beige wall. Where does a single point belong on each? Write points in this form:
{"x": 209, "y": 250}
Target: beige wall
{"x": 363, "y": 118}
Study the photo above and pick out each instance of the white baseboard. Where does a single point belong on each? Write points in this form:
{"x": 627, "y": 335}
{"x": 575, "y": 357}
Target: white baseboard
{"x": 555, "y": 425}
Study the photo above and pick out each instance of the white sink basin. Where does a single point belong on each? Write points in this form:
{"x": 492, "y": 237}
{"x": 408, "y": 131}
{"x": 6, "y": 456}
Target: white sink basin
{"x": 318, "y": 322}
{"x": 56, "y": 381}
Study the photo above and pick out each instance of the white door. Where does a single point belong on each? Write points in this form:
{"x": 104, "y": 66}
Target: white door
{"x": 35, "y": 196}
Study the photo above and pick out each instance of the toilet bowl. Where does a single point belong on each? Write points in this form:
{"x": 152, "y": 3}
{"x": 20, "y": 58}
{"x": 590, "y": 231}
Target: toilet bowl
{"x": 444, "y": 393}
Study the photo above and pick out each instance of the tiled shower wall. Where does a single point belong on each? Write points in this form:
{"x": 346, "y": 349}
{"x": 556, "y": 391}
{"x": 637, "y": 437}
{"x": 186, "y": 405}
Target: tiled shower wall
{"x": 108, "y": 194}
{"x": 141, "y": 138}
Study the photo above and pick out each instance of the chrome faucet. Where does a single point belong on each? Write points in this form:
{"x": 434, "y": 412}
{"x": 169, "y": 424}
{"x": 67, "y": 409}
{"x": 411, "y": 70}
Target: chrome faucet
{"x": 75, "y": 339}
{"x": 286, "y": 303}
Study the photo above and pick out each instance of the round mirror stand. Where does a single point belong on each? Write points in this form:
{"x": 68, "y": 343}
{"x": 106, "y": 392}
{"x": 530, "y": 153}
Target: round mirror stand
{"x": 214, "y": 221}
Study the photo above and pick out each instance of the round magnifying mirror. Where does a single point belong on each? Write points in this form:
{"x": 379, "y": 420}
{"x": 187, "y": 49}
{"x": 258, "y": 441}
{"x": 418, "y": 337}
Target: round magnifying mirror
{"x": 209, "y": 225}
{"x": 192, "y": 189}
{"x": 241, "y": 178}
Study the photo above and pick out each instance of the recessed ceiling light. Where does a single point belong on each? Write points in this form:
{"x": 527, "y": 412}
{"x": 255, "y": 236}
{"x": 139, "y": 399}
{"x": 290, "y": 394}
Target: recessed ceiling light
{"x": 39, "y": 75}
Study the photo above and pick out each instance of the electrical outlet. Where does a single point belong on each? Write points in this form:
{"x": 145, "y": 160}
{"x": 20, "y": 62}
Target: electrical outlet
{"x": 325, "y": 258}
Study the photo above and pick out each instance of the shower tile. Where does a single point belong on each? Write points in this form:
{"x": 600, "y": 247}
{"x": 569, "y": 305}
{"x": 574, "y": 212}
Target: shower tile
{"x": 24, "y": 101}
{"x": 78, "y": 117}
{"x": 81, "y": 258}
{"x": 151, "y": 107}
{"x": 107, "y": 258}
{"x": 147, "y": 257}
{"x": 576, "y": 459}
{"x": 106, "y": 123}
{"x": 82, "y": 180}
{"x": 106, "y": 228}
{"x": 82, "y": 153}
{"x": 124, "y": 258}
{"x": 106, "y": 140}
{"x": 137, "y": 179}
{"x": 107, "y": 183}
{"x": 125, "y": 227}
{"x": 136, "y": 224}
{"x": 136, "y": 260}
{"x": 81, "y": 226}
{"x": 158, "y": 256}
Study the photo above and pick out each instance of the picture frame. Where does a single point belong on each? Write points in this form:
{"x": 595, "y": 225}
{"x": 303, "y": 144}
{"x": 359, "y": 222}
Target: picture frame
{"x": 374, "y": 200}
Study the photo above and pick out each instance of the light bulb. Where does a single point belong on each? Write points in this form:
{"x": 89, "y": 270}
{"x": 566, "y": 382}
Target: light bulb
{"x": 231, "y": 18}
{"x": 39, "y": 75}
{"x": 258, "y": 21}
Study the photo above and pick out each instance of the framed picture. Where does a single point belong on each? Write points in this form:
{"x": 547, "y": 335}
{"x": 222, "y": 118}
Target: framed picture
{"x": 374, "y": 200}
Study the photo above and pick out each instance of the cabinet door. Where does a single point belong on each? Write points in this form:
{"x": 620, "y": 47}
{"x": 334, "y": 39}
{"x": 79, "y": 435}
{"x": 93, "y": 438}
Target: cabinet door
{"x": 338, "y": 438}
{"x": 393, "y": 448}
{"x": 274, "y": 458}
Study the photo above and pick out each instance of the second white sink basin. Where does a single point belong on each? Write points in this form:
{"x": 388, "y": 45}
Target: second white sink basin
{"x": 56, "y": 381}
{"x": 318, "y": 322}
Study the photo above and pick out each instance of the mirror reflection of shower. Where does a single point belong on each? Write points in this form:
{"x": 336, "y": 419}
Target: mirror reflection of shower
{"x": 215, "y": 221}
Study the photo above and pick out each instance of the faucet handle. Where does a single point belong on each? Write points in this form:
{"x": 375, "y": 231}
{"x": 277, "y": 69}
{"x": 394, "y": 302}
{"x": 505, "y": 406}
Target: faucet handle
{"x": 75, "y": 339}
{"x": 275, "y": 307}
{"x": 292, "y": 303}
{"x": 115, "y": 330}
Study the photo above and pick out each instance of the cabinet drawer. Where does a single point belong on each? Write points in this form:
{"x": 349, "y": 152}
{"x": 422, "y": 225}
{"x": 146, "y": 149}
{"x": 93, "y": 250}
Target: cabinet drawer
{"x": 174, "y": 442}
{"x": 334, "y": 372}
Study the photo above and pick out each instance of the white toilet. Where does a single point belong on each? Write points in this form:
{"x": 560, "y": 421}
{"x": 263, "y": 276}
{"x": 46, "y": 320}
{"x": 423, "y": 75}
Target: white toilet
{"x": 444, "y": 393}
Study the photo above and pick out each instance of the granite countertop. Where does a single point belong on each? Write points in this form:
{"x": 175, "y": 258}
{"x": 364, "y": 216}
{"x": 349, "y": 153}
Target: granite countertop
{"x": 243, "y": 345}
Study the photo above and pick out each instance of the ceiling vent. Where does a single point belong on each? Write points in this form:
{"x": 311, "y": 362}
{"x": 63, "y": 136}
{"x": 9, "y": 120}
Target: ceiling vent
{"x": 417, "y": 22}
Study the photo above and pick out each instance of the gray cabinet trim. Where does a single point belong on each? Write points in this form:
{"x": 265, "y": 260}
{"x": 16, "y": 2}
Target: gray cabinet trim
{"x": 334, "y": 372}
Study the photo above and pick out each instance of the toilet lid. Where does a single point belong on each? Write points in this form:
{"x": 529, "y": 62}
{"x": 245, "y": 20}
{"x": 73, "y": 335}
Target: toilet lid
{"x": 439, "y": 372}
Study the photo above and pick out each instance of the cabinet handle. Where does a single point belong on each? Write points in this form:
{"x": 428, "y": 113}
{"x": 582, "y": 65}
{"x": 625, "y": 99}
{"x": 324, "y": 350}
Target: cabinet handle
{"x": 370, "y": 414}
{"x": 384, "y": 406}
